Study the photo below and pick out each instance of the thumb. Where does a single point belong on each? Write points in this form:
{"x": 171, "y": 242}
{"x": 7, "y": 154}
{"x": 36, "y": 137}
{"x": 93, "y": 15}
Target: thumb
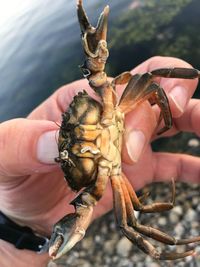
{"x": 27, "y": 146}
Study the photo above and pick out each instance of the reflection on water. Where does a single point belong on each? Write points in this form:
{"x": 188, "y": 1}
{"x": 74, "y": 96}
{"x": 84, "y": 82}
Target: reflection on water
{"x": 40, "y": 45}
{"x": 35, "y": 45}
{"x": 28, "y": 46}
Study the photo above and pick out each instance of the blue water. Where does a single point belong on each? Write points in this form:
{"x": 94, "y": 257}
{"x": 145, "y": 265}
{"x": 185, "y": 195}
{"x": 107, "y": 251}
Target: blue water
{"x": 35, "y": 45}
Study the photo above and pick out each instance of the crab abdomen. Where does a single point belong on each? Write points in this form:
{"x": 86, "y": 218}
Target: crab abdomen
{"x": 80, "y": 169}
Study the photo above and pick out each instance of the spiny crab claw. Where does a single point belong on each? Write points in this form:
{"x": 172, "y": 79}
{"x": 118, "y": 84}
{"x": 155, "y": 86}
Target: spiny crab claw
{"x": 67, "y": 232}
{"x": 92, "y": 35}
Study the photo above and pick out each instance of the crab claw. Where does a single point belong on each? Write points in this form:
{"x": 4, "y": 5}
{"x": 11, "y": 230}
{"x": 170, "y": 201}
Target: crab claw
{"x": 92, "y": 34}
{"x": 69, "y": 231}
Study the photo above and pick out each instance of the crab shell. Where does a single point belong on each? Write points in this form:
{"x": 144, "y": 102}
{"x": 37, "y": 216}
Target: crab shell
{"x": 79, "y": 171}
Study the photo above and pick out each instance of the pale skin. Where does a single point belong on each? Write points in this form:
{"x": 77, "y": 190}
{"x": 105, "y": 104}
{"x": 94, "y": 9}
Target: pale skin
{"x": 35, "y": 194}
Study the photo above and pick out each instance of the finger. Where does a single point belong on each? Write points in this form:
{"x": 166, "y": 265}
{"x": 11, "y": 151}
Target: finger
{"x": 182, "y": 167}
{"x": 189, "y": 122}
{"x": 25, "y": 145}
{"x": 57, "y": 103}
{"x": 179, "y": 91}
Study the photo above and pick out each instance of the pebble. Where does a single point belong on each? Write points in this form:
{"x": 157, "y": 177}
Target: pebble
{"x": 162, "y": 221}
{"x": 190, "y": 215}
{"x": 87, "y": 243}
{"x": 123, "y": 247}
{"x": 193, "y": 142}
{"x": 178, "y": 210}
{"x": 124, "y": 263}
{"x": 179, "y": 230}
{"x": 97, "y": 239}
{"x": 174, "y": 217}
{"x": 195, "y": 201}
{"x": 84, "y": 263}
{"x": 52, "y": 264}
{"x": 109, "y": 246}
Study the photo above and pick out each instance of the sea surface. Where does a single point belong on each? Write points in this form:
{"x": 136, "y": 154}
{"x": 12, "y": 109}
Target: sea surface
{"x": 37, "y": 41}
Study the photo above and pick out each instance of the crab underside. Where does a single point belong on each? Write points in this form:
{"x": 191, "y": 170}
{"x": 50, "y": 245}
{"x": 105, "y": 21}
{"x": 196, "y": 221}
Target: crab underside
{"x": 90, "y": 141}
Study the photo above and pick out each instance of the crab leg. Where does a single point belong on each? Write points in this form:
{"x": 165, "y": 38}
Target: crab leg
{"x": 183, "y": 73}
{"x": 71, "y": 228}
{"x": 155, "y": 207}
{"x": 138, "y": 84}
{"x": 149, "y": 231}
{"x": 159, "y": 97}
{"x": 122, "y": 78}
{"x": 125, "y": 217}
{"x": 121, "y": 219}
{"x": 141, "y": 88}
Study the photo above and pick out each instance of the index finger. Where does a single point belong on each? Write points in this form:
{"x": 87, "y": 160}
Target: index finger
{"x": 57, "y": 103}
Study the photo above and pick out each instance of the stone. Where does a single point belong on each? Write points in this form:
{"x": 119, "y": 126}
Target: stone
{"x": 52, "y": 264}
{"x": 178, "y": 210}
{"x": 162, "y": 221}
{"x": 87, "y": 243}
{"x": 190, "y": 215}
{"x": 193, "y": 142}
{"x": 123, "y": 247}
{"x": 109, "y": 246}
{"x": 174, "y": 218}
{"x": 179, "y": 230}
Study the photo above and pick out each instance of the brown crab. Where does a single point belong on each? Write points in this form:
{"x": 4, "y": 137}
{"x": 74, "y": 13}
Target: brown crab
{"x": 90, "y": 142}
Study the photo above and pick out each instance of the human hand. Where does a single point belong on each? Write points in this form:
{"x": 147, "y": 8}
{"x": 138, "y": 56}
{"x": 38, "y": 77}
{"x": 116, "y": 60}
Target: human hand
{"x": 32, "y": 189}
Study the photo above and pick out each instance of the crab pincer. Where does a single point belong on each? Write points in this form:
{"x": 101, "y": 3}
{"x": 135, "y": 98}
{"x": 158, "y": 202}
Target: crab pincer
{"x": 92, "y": 35}
{"x": 69, "y": 231}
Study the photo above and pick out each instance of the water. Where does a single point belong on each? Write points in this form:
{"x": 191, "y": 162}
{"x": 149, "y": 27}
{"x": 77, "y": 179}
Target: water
{"x": 36, "y": 45}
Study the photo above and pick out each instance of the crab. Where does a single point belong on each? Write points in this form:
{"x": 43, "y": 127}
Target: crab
{"x": 90, "y": 144}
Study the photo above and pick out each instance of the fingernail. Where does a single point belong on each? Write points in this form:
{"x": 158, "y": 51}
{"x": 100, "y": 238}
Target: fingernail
{"x": 135, "y": 142}
{"x": 47, "y": 148}
{"x": 179, "y": 96}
